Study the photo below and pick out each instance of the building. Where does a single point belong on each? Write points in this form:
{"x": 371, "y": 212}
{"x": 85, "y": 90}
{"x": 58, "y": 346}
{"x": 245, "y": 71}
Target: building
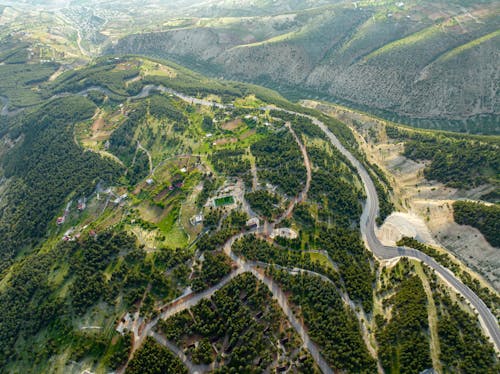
{"x": 284, "y": 232}
{"x": 196, "y": 220}
{"x": 253, "y": 223}
{"x": 82, "y": 204}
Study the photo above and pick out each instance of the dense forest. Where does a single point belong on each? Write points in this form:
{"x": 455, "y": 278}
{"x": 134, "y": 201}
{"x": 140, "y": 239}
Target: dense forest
{"x": 403, "y": 341}
{"x": 255, "y": 249}
{"x": 153, "y": 358}
{"x": 485, "y": 218}
{"x": 30, "y": 305}
{"x": 332, "y": 325}
{"x": 464, "y": 348}
{"x": 280, "y": 163}
{"x": 45, "y": 167}
{"x": 241, "y": 321}
{"x": 145, "y": 230}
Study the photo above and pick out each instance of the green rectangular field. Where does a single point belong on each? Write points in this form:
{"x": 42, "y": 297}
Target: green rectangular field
{"x": 223, "y": 201}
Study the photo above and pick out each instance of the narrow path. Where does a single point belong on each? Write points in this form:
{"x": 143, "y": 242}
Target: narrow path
{"x": 139, "y": 146}
{"x": 435, "y": 347}
{"x": 307, "y": 164}
{"x": 180, "y": 304}
{"x": 253, "y": 169}
{"x": 367, "y": 223}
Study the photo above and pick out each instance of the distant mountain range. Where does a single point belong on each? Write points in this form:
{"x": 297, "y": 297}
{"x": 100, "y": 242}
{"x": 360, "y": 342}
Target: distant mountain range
{"x": 425, "y": 63}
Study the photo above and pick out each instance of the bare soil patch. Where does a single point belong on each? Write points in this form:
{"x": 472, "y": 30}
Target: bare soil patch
{"x": 225, "y": 141}
{"x": 232, "y": 125}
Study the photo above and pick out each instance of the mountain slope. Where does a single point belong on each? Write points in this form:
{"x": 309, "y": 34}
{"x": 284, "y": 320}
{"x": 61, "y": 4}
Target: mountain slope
{"x": 393, "y": 60}
{"x": 137, "y": 179}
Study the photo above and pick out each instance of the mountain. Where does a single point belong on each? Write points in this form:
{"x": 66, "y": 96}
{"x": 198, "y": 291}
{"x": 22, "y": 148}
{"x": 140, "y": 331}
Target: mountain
{"x": 155, "y": 219}
{"x": 426, "y": 63}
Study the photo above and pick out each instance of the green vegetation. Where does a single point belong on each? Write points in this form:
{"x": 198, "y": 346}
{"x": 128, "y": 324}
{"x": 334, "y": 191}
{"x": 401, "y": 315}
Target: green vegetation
{"x": 331, "y": 324}
{"x": 279, "y": 162}
{"x": 489, "y": 297}
{"x": 153, "y": 358}
{"x": 464, "y": 348}
{"x": 245, "y": 325}
{"x": 233, "y": 223}
{"x": 215, "y": 266}
{"x": 429, "y": 49}
{"x": 255, "y": 249}
{"x": 456, "y": 161}
{"x": 46, "y": 167}
{"x": 102, "y": 73}
{"x": 265, "y": 203}
{"x": 332, "y": 188}
{"x": 486, "y": 218}
{"x": 48, "y": 292}
{"x": 403, "y": 340}
{"x": 348, "y": 252}
{"x": 146, "y": 167}
{"x": 383, "y": 188}
{"x": 19, "y": 80}
{"x": 223, "y": 201}
{"x": 230, "y": 162}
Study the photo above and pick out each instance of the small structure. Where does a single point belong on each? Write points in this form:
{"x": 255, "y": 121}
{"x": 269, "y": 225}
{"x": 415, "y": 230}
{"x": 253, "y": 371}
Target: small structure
{"x": 253, "y": 223}
{"x": 82, "y": 204}
{"x": 93, "y": 234}
{"x": 149, "y": 181}
{"x": 124, "y": 324}
{"x": 284, "y": 232}
{"x": 183, "y": 170}
{"x": 119, "y": 199}
{"x": 196, "y": 220}
{"x": 60, "y": 220}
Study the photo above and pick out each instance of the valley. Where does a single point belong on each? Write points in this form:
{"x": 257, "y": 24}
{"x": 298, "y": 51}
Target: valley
{"x": 155, "y": 219}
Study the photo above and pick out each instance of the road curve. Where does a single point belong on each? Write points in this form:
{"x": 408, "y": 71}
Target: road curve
{"x": 367, "y": 223}
{"x": 488, "y": 321}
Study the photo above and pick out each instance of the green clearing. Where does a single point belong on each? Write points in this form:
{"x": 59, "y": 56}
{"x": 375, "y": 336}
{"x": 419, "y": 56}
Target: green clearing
{"x": 223, "y": 201}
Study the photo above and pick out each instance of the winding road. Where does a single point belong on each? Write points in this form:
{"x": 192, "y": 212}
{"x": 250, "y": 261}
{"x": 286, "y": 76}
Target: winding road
{"x": 367, "y": 223}
{"x": 141, "y": 330}
{"x": 488, "y": 321}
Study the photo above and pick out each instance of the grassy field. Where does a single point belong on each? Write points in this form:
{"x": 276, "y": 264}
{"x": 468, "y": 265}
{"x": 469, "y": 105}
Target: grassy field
{"x": 223, "y": 201}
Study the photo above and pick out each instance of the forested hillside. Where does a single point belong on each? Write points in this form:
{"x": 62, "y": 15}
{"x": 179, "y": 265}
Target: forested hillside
{"x": 486, "y": 218}
{"x": 155, "y": 220}
{"x": 393, "y": 59}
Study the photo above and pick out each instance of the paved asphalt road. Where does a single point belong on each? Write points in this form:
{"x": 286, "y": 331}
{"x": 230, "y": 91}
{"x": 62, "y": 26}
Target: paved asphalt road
{"x": 370, "y": 212}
